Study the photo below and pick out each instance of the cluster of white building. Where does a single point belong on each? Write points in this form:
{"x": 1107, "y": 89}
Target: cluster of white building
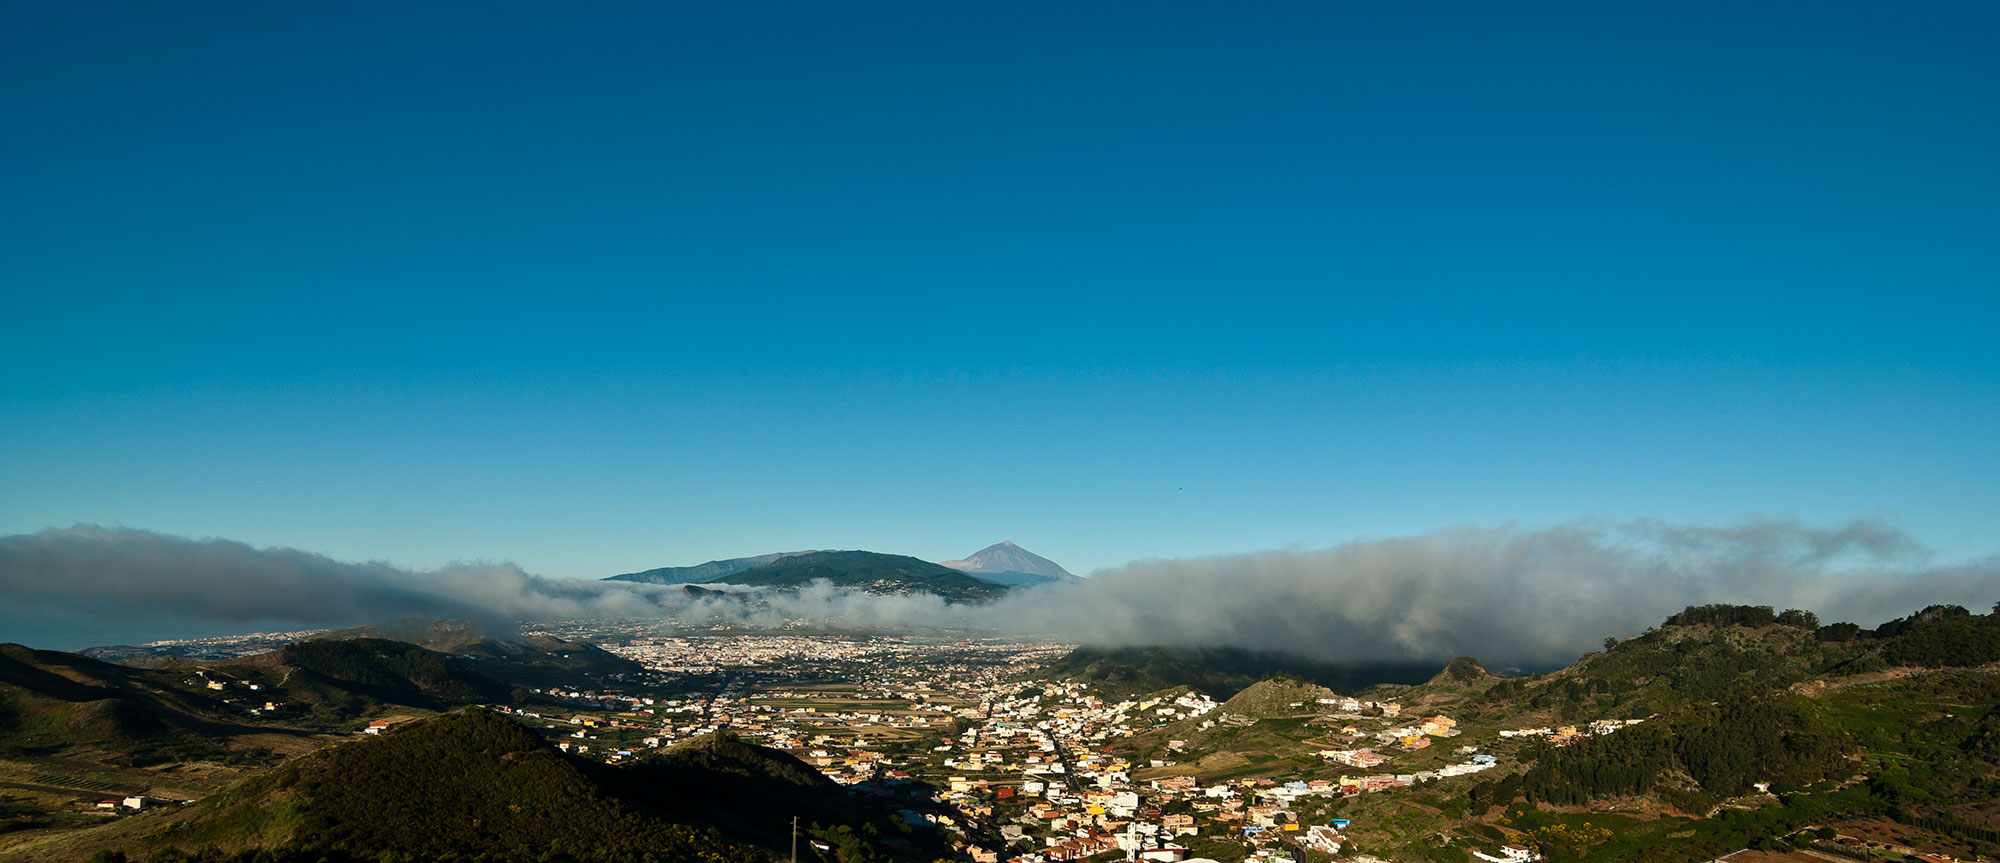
{"x": 1566, "y": 734}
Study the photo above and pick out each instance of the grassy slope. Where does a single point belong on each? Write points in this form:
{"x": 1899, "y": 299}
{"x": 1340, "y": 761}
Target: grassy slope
{"x": 1924, "y": 743}
{"x": 62, "y": 703}
{"x": 472, "y": 781}
{"x": 1732, "y": 705}
{"x": 391, "y": 672}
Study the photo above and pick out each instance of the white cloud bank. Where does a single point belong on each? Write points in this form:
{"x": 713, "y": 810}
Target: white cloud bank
{"x": 1505, "y": 594}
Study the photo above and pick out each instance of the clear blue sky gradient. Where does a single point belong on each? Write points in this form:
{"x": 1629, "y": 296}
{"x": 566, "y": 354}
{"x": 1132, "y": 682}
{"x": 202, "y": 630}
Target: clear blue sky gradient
{"x": 645, "y": 284}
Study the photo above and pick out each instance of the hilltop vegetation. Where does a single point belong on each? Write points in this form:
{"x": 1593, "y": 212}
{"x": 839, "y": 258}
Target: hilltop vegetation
{"x": 1281, "y": 695}
{"x": 1941, "y": 636}
{"x": 1752, "y": 725}
{"x": 74, "y": 730}
{"x": 749, "y": 792}
{"x": 391, "y": 672}
{"x": 1708, "y": 653}
{"x": 476, "y": 785}
{"x": 1837, "y": 722}
{"x": 472, "y": 782}
{"x": 1700, "y": 755}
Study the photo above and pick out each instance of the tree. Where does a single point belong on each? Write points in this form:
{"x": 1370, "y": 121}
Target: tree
{"x": 1798, "y": 618}
{"x": 1724, "y": 615}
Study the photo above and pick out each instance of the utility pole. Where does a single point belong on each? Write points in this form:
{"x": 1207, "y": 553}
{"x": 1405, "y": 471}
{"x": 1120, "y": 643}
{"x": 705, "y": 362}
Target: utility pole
{"x": 795, "y": 839}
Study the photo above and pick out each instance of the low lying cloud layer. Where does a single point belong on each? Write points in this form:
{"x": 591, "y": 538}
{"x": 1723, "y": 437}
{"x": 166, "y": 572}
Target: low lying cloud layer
{"x": 1508, "y": 595}
{"x": 1511, "y": 595}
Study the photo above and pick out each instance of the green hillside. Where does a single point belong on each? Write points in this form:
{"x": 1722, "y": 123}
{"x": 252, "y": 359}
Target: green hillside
{"x": 1736, "y": 726}
{"x": 467, "y": 784}
{"x": 475, "y": 785}
{"x": 1842, "y": 724}
{"x": 391, "y": 672}
{"x": 871, "y": 572}
{"x": 713, "y": 570}
{"x": 748, "y": 791}
{"x": 1747, "y": 654}
{"x": 63, "y": 704}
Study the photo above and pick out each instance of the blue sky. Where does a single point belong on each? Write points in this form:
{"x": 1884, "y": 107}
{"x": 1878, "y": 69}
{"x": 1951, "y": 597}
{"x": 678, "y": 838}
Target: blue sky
{"x": 595, "y": 291}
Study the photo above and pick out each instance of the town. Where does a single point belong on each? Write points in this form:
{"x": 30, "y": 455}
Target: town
{"x": 1034, "y": 771}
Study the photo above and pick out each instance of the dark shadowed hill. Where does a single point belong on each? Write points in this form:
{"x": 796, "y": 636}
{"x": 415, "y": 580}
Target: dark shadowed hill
{"x": 475, "y": 785}
{"x": 55, "y": 703}
{"x": 391, "y": 671}
{"x": 700, "y": 572}
{"x": 530, "y": 660}
{"x": 541, "y": 660}
{"x": 442, "y": 635}
{"x": 1219, "y": 671}
{"x": 870, "y": 572}
{"x": 748, "y": 791}
{"x": 463, "y": 784}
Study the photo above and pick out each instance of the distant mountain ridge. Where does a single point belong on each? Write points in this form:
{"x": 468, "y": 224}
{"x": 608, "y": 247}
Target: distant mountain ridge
{"x": 701, "y": 572}
{"x": 1007, "y": 563}
{"x": 530, "y": 660}
{"x": 1002, "y": 565}
{"x": 870, "y": 572}
{"x": 442, "y": 635}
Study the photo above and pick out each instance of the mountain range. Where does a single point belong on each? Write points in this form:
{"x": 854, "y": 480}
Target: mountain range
{"x": 869, "y": 572}
{"x": 1003, "y": 563}
{"x": 701, "y": 572}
